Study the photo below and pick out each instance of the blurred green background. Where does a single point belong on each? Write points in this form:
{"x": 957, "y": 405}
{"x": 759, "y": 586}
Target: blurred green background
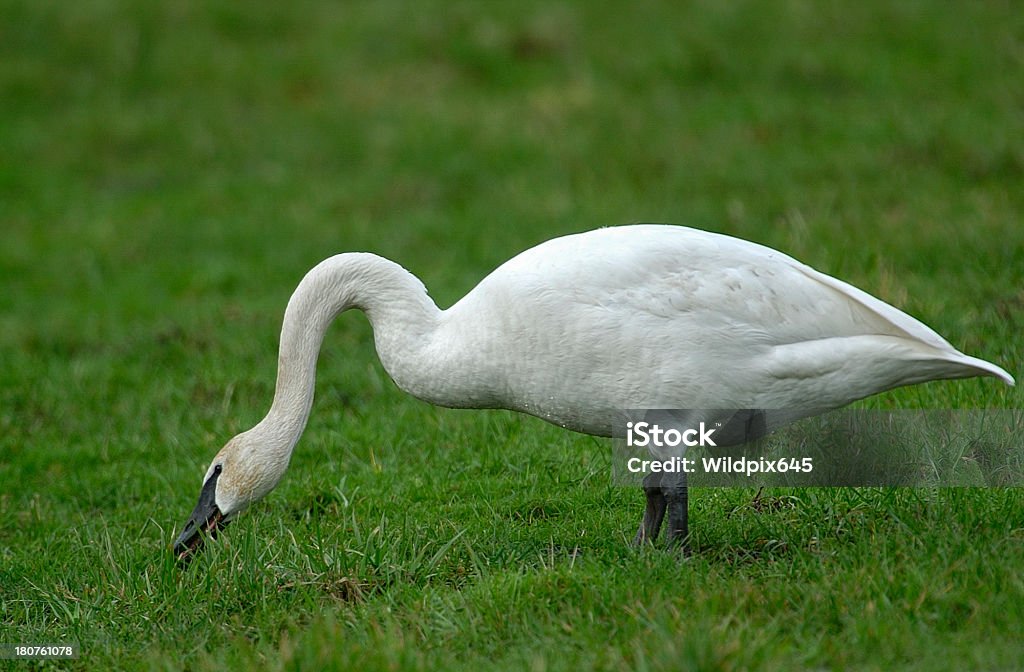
{"x": 169, "y": 170}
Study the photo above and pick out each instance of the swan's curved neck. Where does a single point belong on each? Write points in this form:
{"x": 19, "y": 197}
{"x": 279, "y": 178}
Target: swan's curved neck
{"x": 396, "y": 302}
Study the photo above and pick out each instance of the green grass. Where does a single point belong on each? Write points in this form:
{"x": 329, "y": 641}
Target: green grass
{"x": 170, "y": 170}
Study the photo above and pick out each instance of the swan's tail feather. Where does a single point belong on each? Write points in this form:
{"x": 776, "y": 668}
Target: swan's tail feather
{"x": 965, "y": 366}
{"x": 836, "y": 371}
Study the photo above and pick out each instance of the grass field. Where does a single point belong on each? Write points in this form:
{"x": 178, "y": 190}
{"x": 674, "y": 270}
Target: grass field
{"x": 170, "y": 170}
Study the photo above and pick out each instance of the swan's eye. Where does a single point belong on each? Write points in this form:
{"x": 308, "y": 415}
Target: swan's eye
{"x": 217, "y": 469}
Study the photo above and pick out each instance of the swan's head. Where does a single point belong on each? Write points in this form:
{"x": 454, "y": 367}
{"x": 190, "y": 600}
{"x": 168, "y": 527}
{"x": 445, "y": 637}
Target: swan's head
{"x": 241, "y": 473}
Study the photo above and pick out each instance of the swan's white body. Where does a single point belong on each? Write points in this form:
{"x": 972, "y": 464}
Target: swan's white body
{"x": 579, "y": 328}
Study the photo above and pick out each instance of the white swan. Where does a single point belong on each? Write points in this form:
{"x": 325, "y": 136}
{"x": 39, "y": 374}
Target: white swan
{"x": 580, "y": 327}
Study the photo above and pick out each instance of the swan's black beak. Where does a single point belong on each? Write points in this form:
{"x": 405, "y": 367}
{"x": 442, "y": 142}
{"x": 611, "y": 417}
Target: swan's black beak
{"x": 206, "y": 519}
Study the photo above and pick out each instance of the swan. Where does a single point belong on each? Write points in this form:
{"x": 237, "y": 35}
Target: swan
{"x": 582, "y": 326}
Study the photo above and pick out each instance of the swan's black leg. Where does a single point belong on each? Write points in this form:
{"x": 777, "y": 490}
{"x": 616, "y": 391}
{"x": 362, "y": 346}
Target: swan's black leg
{"x": 678, "y": 513}
{"x": 655, "y": 513}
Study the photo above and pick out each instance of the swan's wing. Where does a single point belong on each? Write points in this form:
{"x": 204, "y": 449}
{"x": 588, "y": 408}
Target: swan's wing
{"x": 686, "y": 283}
{"x": 648, "y": 316}
{"x": 753, "y": 288}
